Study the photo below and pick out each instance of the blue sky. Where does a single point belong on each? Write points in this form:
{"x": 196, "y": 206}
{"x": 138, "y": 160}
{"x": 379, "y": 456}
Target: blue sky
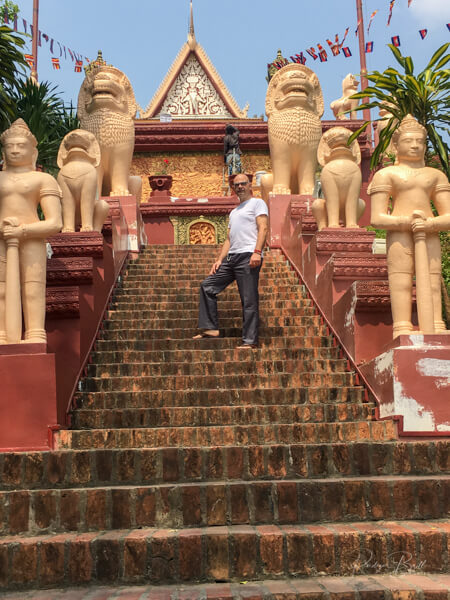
{"x": 142, "y": 38}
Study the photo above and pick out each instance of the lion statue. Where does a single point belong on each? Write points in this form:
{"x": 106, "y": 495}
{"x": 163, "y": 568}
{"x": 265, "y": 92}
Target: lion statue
{"x": 340, "y": 179}
{"x": 106, "y": 108}
{"x": 294, "y": 105}
{"x": 78, "y": 159}
{"x": 349, "y": 87}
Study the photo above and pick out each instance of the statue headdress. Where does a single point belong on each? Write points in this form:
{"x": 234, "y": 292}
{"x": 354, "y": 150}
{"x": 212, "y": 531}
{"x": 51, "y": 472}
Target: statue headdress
{"x": 408, "y": 124}
{"x": 18, "y": 128}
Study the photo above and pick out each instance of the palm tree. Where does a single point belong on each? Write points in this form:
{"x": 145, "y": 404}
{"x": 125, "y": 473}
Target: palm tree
{"x": 12, "y": 67}
{"x": 48, "y": 118}
{"x": 426, "y": 96}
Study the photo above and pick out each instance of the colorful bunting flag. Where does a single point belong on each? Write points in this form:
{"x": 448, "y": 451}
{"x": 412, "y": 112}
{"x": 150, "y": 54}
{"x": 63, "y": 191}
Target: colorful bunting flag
{"x": 396, "y": 40}
{"x": 78, "y": 65}
{"x": 301, "y": 58}
{"x": 369, "y": 47}
{"x": 30, "y": 60}
{"x": 357, "y": 27}
{"x": 343, "y": 39}
{"x": 448, "y": 26}
{"x": 24, "y": 25}
{"x": 55, "y": 63}
{"x": 371, "y": 19}
{"x": 391, "y": 6}
{"x": 312, "y": 52}
{"x": 423, "y": 33}
{"x": 347, "y": 52}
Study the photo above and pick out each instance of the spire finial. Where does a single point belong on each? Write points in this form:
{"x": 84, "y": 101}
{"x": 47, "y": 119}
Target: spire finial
{"x": 191, "y": 35}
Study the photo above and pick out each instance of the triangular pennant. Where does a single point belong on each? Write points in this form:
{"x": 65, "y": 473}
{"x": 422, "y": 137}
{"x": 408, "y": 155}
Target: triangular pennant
{"x": 423, "y": 33}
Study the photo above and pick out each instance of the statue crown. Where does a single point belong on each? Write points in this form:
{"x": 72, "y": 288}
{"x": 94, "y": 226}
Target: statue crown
{"x": 409, "y": 124}
{"x": 18, "y": 129}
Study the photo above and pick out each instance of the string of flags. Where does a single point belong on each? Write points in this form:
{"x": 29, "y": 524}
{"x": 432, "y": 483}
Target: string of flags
{"x": 55, "y": 46}
{"x": 336, "y": 46}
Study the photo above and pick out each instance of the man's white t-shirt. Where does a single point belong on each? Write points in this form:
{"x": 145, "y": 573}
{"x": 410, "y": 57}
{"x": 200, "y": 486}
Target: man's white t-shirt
{"x": 242, "y": 225}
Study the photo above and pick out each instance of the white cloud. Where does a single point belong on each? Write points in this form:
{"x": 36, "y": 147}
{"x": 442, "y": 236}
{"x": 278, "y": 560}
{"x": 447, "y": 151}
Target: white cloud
{"x": 431, "y": 11}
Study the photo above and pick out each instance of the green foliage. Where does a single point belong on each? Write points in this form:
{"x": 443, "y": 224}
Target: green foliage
{"x": 8, "y": 10}
{"x": 49, "y": 119}
{"x": 12, "y": 67}
{"x": 426, "y": 96}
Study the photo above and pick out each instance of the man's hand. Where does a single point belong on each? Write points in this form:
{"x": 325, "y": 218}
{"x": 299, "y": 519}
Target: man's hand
{"x": 255, "y": 260}
{"x": 215, "y": 267}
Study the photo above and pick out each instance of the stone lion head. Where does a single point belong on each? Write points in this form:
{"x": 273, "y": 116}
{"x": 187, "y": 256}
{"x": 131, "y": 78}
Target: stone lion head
{"x": 294, "y": 86}
{"x": 106, "y": 87}
{"x": 350, "y": 83}
{"x": 79, "y": 142}
{"x": 337, "y": 137}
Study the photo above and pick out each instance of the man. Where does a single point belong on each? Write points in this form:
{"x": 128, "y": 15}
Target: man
{"x": 412, "y": 186}
{"x": 240, "y": 259}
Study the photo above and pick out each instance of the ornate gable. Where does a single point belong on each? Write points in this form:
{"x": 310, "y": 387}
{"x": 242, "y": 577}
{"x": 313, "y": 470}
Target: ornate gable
{"x": 192, "y": 88}
{"x": 193, "y": 95}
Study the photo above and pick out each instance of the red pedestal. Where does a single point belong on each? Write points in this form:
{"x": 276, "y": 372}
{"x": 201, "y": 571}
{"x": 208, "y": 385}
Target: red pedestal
{"x": 28, "y": 406}
{"x": 412, "y": 380}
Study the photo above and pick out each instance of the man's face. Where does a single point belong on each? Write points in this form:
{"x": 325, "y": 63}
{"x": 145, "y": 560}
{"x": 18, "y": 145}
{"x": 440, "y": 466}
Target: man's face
{"x": 18, "y": 151}
{"x": 411, "y": 146}
{"x": 242, "y": 187}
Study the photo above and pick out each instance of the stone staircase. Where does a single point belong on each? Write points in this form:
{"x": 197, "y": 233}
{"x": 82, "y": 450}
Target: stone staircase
{"x": 194, "y": 469}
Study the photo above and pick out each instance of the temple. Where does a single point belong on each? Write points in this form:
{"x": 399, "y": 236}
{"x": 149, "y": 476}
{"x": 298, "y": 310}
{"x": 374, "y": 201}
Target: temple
{"x": 137, "y": 461}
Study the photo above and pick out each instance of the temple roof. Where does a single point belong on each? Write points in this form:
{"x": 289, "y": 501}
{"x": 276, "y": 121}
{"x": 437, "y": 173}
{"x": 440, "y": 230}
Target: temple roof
{"x": 192, "y": 88}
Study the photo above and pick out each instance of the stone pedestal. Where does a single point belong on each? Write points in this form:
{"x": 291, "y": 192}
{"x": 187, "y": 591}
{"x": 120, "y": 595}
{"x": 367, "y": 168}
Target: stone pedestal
{"x": 28, "y": 406}
{"x": 412, "y": 380}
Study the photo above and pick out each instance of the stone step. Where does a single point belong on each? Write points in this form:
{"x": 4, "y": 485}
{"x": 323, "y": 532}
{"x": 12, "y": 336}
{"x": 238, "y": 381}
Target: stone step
{"x": 226, "y": 435}
{"x": 145, "y": 287}
{"x": 257, "y": 397}
{"x": 216, "y": 369}
{"x": 194, "y": 279}
{"x": 213, "y": 355}
{"x": 267, "y": 314}
{"x": 295, "y": 342}
{"x": 185, "y": 334}
{"x": 264, "y": 303}
{"x": 226, "y": 322}
{"x": 97, "y": 418}
{"x": 233, "y": 553}
{"x": 400, "y": 585}
{"x": 202, "y": 504}
{"x": 136, "y": 296}
{"x": 141, "y": 466}
{"x": 213, "y": 382}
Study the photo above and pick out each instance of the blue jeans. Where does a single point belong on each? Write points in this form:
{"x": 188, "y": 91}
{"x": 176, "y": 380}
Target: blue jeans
{"x": 233, "y": 267}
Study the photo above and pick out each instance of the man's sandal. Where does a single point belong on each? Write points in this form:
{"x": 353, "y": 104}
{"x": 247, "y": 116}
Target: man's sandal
{"x": 208, "y": 336}
{"x": 247, "y": 346}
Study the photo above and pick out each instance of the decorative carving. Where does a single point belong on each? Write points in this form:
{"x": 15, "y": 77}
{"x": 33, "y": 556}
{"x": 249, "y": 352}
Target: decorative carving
{"x": 372, "y": 295}
{"x": 357, "y": 267}
{"x": 349, "y": 87}
{"x": 63, "y": 302}
{"x": 71, "y": 269}
{"x": 193, "y": 95}
{"x": 329, "y": 241}
{"x": 77, "y": 244}
{"x": 294, "y": 105}
{"x": 202, "y": 232}
{"x": 202, "y": 227}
